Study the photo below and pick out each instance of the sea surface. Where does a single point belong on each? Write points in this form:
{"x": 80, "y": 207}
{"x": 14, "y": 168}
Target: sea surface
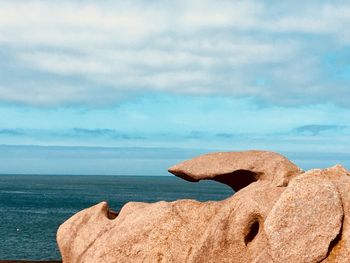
{"x": 33, "y": 206}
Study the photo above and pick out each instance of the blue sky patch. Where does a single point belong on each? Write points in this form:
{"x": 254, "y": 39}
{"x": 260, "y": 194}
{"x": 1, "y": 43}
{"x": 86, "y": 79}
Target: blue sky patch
{"x": 187, "y": 74}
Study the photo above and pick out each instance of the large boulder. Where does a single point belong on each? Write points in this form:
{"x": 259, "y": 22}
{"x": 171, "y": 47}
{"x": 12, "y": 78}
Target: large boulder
{"x": 278, "y": 214}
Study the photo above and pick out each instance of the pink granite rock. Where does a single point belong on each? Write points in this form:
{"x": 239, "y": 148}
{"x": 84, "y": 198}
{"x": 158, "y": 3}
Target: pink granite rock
{"x": 305, "y": 220}
{"x": 280, "y": 214}
{"x": 238, "y": 169}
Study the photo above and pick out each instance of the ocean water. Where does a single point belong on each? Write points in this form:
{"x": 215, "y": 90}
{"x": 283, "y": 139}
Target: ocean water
{"x": 33, "y": 206}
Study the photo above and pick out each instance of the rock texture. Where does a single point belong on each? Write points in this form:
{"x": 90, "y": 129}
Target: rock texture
{"x": 238, "y": 169}
{"x": 279, "y": 214}
{"x": 305, "y": 220}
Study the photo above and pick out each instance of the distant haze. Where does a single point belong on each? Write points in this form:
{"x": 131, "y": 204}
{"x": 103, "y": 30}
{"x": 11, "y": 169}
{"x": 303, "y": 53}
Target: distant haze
{"x": 122, "y": 161}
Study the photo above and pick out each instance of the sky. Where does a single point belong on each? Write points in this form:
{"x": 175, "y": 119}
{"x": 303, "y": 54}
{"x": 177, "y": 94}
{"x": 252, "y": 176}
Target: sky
{"x": 132, "y": 87}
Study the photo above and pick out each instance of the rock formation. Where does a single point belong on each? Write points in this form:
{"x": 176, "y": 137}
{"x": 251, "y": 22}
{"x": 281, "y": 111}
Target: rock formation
{"x": 278, "y": 214}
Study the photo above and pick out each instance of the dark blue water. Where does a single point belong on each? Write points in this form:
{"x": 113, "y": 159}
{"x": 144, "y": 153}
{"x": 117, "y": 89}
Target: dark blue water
{"x": 32, "y": 207}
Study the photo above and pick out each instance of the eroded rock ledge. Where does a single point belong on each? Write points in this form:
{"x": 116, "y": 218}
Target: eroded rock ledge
{"x": 278, "y": 214}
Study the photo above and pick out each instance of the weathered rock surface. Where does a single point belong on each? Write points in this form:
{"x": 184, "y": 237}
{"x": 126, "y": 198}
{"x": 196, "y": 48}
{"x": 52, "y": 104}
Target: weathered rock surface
{"x": 280, "y": 215}
{"x": 159, "y": 232}
{"x": 305, "y": 220}
{"x": 238, "y": 169}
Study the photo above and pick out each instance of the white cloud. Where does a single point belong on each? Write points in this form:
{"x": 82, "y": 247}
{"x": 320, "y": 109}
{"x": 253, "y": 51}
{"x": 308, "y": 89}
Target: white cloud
{"x": 69, "y": 51}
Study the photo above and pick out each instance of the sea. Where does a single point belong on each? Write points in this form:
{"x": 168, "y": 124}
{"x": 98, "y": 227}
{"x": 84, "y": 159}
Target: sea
{"x": 33, "y": 206}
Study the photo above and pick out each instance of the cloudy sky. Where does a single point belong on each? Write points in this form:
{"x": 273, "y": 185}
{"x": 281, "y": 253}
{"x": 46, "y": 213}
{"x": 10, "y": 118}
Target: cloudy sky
{"x": 159, "y": 81}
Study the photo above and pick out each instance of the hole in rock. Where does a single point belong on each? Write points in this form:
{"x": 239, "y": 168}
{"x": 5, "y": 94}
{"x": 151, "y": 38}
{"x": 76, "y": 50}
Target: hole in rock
{"x": 111, "y": 214}
{"x": 237, "y": 179}
{"x": 253, "y": 231}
